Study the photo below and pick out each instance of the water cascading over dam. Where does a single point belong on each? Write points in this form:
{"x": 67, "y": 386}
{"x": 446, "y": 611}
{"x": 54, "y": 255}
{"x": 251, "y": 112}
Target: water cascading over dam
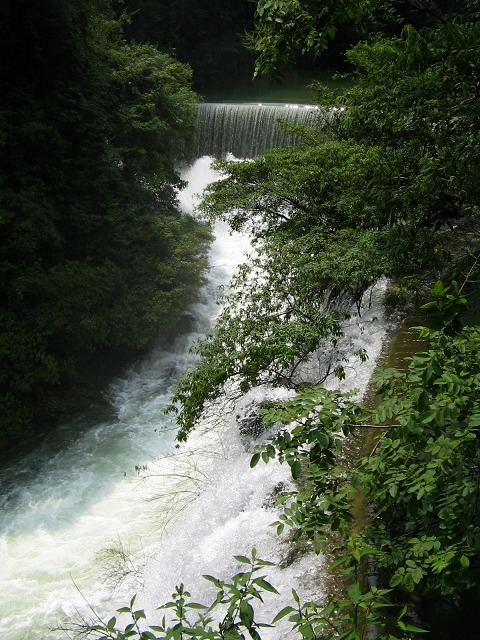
{"x": 246, "y": 130}
{"x": 79, "y": 493}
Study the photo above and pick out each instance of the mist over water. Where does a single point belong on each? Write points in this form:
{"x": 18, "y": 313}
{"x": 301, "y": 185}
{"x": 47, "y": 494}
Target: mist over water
{"x": 182, "y": 513}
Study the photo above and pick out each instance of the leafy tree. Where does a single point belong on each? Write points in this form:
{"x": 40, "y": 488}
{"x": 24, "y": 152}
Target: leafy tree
{"x": 275, "y": 317}
{"x": 95, "y": 256}
{"x": 208, "y": 35}
{"x": 419, "y": 92}
{"x": 386, "y": 175}
{"x": 383, "y": 185}
{"x": 421, "y": 479}
{"x": 284, "y": 28}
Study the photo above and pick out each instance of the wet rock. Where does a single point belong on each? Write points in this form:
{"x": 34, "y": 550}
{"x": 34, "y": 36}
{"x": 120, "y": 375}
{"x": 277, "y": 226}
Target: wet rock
{"x": 271, "y": 499}
{"x": 250, "y": 424}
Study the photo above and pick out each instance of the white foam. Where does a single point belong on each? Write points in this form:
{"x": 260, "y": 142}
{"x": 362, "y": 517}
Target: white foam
{"x": 196, "y": 507}
{"x": 65, "y": 503}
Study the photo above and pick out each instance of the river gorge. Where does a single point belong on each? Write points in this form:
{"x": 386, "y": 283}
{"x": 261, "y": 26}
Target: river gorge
{"x": 108, "y": 507}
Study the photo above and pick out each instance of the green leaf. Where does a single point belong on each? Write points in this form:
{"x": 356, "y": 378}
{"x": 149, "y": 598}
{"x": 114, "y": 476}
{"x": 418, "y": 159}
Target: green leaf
{"x": 465, "y": 562}
{"x": 409, "y": 582}
{"x": 246, "y": 613}
{"x": 439, "y": 289}
{"x": 282, "y": 613}
{"x": 243, "y": 559}
{"x": 411, "y": 627}
{"x": 214, "y": 580}
{"x": 474, "y": 420}
{"x": 261, "y": 582}
{"x": 354, "y": 592}
{"x": 265, "y": 563}
{"x": 296, "y": 469}
{"x": 339, "y": 561}
{"x": 254, "y": 460}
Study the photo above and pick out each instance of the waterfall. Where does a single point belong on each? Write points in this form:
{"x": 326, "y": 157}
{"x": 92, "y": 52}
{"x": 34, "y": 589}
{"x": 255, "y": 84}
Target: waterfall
{"x": 109, "y": 507}
{"x": 246, "y": 130}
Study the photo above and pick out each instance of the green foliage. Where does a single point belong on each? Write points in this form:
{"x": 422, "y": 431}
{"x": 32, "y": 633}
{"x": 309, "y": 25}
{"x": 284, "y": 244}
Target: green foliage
{"x": 205, "y": 34}
{"x": 157, "y": 110}
{"x": 234, "y": 598}
{"x": 347, "y": 619}
{"x": 322, "y": 238}
{"x": 283, "y": 28}
{"x": 418, "y": 92}
{"x": 329, "y": 184}
{"x": 422, "y": 478}
{"x": 354, "y": 616}
{"x": 375, "y": 190}
{"x": 286, "y": 28}
{"x": 422, "y": 481}
{"x": 313, "y": 447}
{"x": 95, "y": 256}
{"x": 447, "y": 307}
{"x": 413, "y": 109}
{"x": 283, "y": 306}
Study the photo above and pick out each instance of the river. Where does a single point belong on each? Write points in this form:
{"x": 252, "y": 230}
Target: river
{"x": 105, "y": 508}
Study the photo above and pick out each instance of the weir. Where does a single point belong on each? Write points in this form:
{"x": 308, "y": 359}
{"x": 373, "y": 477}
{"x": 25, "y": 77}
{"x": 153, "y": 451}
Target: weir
{"x": 246, "y": 130}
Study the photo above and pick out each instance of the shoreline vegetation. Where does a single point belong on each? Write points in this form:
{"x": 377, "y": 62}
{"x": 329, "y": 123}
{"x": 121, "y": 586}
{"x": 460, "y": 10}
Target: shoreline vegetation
{"x": 384, "y": 189}
{"x": 97, "y": 260}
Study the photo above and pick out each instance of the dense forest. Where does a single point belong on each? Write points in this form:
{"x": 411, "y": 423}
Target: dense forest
{"x": 209, "y": 36}
{"x": 96, "y": 260}
{"x": 383, "y": 186}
